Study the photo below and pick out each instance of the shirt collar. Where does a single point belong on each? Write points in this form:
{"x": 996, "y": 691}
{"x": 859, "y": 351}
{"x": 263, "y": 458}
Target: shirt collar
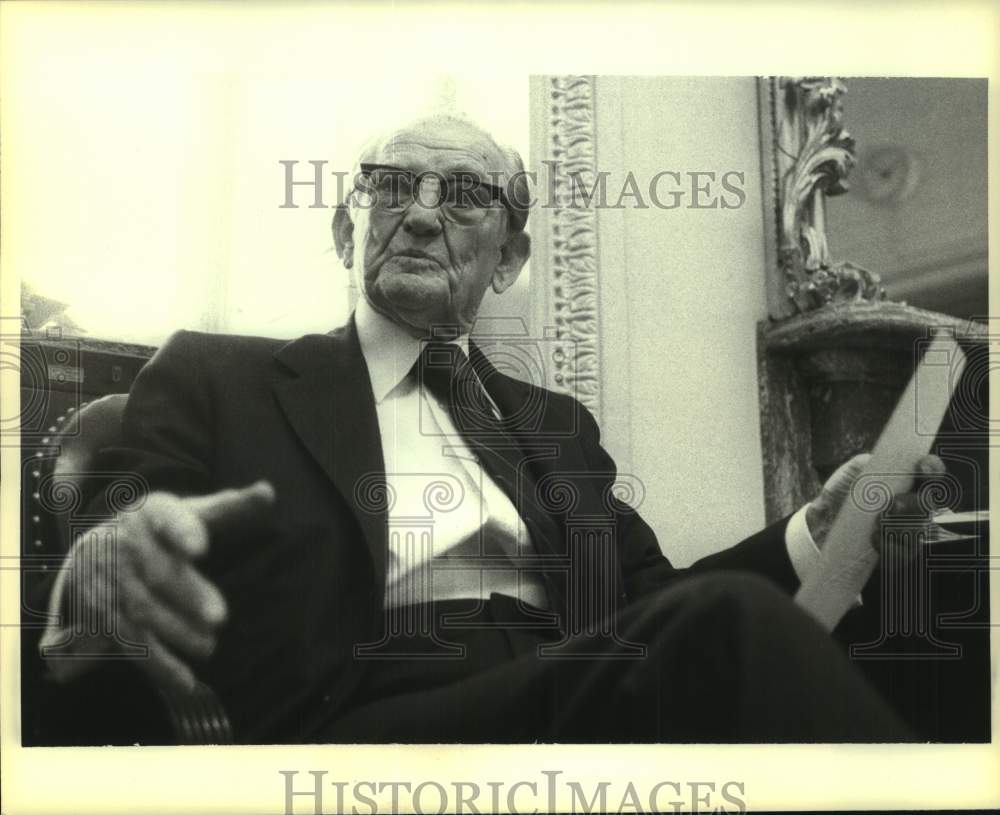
{"x": 389, "y": 350}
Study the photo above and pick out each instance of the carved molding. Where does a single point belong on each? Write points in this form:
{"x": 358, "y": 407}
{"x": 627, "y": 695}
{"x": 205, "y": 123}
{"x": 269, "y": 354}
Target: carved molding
{"x": 812, "y": 155}
{"x": 572, "y": 238}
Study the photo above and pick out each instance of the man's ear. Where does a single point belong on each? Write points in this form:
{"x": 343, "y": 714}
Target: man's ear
{"x": 513, "y": 255}
{"x": 343, "y": 235}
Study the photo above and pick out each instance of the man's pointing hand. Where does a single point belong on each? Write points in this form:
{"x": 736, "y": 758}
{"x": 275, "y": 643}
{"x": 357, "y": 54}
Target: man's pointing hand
{"x": 151, "y": 592}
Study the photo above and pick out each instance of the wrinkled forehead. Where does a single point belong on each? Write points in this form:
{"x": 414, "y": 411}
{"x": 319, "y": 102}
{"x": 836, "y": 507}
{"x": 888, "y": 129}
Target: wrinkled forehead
{"x": 442, "y": 146}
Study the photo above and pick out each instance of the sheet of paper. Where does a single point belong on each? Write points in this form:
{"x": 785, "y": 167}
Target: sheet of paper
{"x": 848, "y": 557}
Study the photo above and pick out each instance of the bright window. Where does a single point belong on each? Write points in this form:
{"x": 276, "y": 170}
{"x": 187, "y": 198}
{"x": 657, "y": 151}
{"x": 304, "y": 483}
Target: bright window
{"x": 152, "y": 200}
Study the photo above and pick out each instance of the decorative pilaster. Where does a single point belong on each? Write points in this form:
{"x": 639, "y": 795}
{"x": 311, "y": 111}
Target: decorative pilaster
{"x": 567, "y": 233}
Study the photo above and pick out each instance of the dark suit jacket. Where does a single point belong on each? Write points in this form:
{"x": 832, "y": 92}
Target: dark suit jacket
{"x": 210, "y": 412}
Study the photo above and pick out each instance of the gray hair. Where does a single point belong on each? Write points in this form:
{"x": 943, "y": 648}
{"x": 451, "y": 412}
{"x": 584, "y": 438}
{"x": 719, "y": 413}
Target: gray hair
{"x": 514, "y": 180}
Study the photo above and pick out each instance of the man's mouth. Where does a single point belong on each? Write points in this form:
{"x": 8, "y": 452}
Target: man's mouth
{"x": 416, "y": 254}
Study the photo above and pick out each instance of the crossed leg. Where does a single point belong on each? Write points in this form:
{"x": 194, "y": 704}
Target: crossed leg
{"x": 728, "y": 658}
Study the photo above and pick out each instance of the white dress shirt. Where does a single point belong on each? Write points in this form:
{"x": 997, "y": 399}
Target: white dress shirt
{"x": 421, "y": 445}
{"x": 453, "y": 533}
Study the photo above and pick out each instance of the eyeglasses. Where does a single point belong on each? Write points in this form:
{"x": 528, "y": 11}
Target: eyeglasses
{"x": 462, "y": 197}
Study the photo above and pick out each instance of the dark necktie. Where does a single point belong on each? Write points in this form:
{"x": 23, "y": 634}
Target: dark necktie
{"x": 448, "y": 374}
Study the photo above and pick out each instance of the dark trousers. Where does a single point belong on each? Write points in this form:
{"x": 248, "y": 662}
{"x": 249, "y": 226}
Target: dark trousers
{"x": 725, "y": 657}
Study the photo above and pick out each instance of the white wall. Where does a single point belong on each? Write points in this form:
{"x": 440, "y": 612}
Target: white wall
{"x": 681, "y": 293}
{"x": 151, "y": 199}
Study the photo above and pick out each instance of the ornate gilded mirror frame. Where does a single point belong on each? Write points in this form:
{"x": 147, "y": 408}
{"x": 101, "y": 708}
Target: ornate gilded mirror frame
{"x": 807, "y": 156}
{"x": 834, "y": 355}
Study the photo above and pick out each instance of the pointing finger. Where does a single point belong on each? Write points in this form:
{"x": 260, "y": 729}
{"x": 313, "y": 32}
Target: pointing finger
{"x": 234, "y": 508}
{"x": 173, "y": 525}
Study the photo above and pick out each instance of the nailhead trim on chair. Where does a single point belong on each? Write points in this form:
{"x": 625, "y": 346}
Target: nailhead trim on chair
{"x": 51, "y": 454}
{"x": 198, "y": 717}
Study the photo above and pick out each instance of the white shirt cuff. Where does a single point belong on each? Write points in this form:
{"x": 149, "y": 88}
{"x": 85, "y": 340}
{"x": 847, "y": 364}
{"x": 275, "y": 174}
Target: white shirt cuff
{"x": 802, "y": 549}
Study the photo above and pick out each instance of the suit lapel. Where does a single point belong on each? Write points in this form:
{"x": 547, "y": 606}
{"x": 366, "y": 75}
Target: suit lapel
{"x": 325, "y": 392}
{"x": 531, "y": 416}
{"x": 544, "y": 434}
{"x": 327, "y": 398}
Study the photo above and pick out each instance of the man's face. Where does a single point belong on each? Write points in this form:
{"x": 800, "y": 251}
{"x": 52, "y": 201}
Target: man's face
{"x": 427, "y": 264}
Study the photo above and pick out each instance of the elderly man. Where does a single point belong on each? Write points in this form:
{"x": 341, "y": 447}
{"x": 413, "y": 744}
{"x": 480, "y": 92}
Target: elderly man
{"x": 315, "y": 607}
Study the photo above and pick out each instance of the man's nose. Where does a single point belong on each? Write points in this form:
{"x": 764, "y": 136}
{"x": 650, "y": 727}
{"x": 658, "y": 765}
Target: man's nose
{"x": 422, "y": 220}
{"x": 424, "y": 215}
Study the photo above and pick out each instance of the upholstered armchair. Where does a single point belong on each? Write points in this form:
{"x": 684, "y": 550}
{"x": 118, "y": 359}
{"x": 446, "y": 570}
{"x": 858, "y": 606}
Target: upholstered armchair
{"x": 63, "y": 481}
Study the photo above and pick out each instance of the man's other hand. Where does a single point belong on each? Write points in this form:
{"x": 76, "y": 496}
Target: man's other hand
{"x": 822, "y": 511}
{"x": 151, "y": 593}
